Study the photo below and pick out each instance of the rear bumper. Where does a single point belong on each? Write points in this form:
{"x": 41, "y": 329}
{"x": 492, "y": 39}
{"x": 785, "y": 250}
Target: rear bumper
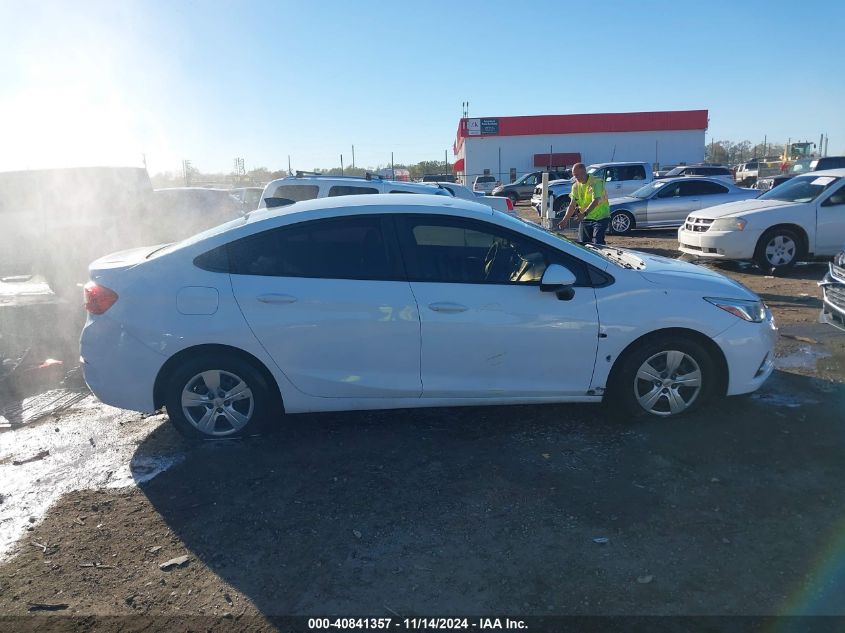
{"x": 119, "y": 369}
{"x": 749, "y": 350}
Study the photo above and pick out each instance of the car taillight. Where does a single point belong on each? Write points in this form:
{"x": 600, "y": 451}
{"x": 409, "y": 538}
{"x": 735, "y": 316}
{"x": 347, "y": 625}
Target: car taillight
{"x": 509, "y": 203}
{"x": 98, "y": 298}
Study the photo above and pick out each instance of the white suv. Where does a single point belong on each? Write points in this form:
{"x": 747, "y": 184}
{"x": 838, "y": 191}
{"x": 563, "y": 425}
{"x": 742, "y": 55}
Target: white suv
{"x": 308, "y": 186}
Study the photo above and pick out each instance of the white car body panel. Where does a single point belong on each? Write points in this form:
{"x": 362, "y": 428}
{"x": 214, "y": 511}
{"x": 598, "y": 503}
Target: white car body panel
{"x": 382, "y": 344}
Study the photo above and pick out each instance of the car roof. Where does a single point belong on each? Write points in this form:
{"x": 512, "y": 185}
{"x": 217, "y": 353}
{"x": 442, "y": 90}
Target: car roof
{"x": 369, "y": 202}
{"x": 619, "y": 162}
{"x": 718, "y": 181}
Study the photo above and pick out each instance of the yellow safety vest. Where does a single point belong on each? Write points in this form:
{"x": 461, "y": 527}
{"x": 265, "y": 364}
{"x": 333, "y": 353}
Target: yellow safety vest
{"x": 586, "y": 193}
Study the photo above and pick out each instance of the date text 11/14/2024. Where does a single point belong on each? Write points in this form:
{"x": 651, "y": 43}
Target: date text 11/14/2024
{"x": 416, "y": 624}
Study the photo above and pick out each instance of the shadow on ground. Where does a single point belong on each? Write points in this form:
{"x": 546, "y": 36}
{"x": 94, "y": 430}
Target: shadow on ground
{"x": 504, "y": 510}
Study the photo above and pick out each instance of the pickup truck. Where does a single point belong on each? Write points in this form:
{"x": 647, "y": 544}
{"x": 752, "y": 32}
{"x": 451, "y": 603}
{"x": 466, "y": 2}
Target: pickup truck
{"x": 523, "y": 188}
{"x": 621, "y": 179}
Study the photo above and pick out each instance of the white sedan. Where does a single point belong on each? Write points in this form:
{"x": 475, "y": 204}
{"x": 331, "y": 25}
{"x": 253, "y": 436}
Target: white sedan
{"x": 802, "y": 218}
{"x": 385, "y": 301}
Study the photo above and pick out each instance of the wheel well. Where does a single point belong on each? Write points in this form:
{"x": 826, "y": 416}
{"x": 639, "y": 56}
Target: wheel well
{"x": 705, "y": 341}
{"x": 804, "y": 245}
{"x": 174, "y": 361}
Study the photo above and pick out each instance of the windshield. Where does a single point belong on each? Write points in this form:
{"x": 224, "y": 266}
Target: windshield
{"x": 801, "y": 166}
{"x": 645, "y": 192}
{"x": 800, "y": 189}
{"x": 678, "y": 171}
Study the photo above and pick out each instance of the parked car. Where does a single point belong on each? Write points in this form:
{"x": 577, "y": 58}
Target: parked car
{"x": 833, "y": 288}
{"x": 184, "y": 211}
{"x": 667, "y": 203}
{"x": 381, "y": 302}
{"x": 484, "y": 184}
{"x": 248, "y": 197}
{"x": 620, "y": 178}
{"x": 800, "y": 167}
{"x": 746, "y": 173}
{"x": 465, "y": 193}
{"x": 308, "y": 185}
{"x": 702, "y": 169}
{"x": 801, "y": 219}
{"x": 522, "y": 188}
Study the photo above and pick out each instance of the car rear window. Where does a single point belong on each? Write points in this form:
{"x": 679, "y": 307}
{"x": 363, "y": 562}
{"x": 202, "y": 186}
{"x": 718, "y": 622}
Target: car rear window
{"x": 348, "y": 190}
{"x": 485, "y": 179}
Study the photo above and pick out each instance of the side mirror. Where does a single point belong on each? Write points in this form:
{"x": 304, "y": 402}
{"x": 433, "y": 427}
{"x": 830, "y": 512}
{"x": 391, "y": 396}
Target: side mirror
{"x": 558, "y": 279}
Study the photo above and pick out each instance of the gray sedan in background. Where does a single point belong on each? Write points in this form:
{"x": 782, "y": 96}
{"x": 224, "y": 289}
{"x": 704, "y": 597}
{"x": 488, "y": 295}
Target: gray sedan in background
{"x": 667, "y": 203}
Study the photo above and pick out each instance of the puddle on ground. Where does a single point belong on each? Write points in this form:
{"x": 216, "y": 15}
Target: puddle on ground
{"x": 805, "y": 357}
{"x": 91, "y": 445}
{"x": 782, "y": 400}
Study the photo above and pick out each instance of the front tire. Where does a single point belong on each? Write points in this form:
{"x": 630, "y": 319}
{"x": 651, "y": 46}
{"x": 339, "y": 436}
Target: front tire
{"x": 664, "y": 377}
{"x": 778, "y": 249}
{"x": 621, "y": 222}
{"x": 219, "y": 396}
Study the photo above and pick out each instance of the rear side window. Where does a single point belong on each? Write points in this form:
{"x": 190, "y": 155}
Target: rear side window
{"x": 706, "y": 188}
{"x": 338, "y": 248}
{"x": 632, "y": 172}
{"x": 348, "y": 190}
{"x": 297, "y": 193}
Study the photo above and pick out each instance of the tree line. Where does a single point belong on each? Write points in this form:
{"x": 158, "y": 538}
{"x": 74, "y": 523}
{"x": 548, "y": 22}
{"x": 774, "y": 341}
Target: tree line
{"x": 261, "y": 175}
{"x": 731, "y": 152}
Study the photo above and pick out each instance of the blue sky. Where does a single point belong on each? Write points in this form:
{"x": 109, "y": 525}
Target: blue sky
{"x": 103, "y": 82}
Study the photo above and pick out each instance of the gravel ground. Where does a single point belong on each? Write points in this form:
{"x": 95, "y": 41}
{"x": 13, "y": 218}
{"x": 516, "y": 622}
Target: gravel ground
{"x": 540, "y": 510}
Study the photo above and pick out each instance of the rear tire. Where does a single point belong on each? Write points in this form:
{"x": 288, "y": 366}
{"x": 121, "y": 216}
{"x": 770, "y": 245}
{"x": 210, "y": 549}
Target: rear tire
{"x": 778, "y": 250}
{"x": 514, "y": 197}
{"x": 216, "y": 396}
{"x": 663, "y": 377}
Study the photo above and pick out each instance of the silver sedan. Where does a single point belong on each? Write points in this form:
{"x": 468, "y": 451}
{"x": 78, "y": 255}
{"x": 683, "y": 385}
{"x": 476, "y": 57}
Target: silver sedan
{"x": 667, "y": 203}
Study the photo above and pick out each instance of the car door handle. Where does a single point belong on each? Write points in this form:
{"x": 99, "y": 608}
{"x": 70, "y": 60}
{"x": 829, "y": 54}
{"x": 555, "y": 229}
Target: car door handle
{"x": 276, "y": 298}
{"x": 448, "y": 308}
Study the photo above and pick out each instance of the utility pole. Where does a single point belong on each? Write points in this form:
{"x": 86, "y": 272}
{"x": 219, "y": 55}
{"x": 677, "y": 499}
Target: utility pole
{"x": 290, "y": 173}
{"x": 353, "y": 157}
{"x": 186, "y": 172}
{"x": 500, "y": 165}
{"x": 392, "y": 171}
{"x": 341, "y": 164}
{"x": 446, "y": 160}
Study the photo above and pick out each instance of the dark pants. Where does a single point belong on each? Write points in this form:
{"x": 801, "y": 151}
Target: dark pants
{"x": 592, "y": 231}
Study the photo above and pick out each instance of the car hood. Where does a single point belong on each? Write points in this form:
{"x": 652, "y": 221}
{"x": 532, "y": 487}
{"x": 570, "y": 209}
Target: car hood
{"x": 625, "y": 200}
{"x": 743, "y": 207}
{"x": 676, "y": 274}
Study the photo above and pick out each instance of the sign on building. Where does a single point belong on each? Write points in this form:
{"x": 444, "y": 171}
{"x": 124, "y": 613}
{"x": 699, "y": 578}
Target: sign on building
{"x": 474, "y": 127}
{"x": 489, "y": 126}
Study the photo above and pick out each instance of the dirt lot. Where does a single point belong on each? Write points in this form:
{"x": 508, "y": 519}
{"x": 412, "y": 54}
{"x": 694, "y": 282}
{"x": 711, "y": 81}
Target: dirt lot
{"x": 540, "y": 510}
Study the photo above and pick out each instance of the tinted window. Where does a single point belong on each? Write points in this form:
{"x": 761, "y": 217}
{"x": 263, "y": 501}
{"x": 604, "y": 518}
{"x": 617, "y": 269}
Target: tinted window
{"x": 835, "y": 162}
{"x": 632, "y": 172}
{"x": 453, "y": 250}
{"x": 349, "y": 190}
{"x": 672, "y": 190}
{"x": 339, "y": 248}
{"x": 485, "y": 179}
{"x": 400, "y": 191}
{"x": 713, "y": 171}
{"x": 701, "y": 188}
{"x": 296, "y": 193}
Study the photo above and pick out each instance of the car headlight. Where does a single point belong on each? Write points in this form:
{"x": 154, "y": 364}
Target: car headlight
{"x": 728, "y": 224}
{"x": 753, "y": 311}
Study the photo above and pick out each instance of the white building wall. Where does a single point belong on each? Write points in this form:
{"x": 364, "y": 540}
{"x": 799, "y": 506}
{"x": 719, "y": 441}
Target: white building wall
{"x": 665, "y": 148}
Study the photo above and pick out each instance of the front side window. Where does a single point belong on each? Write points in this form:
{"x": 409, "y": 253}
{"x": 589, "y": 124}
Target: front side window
{"x": 455, "y": 250}
{"x": 349, "y": 190}
{"x": 339, "y": 248}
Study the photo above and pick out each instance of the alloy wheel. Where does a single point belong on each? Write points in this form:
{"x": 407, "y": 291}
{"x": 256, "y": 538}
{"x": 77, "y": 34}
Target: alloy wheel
{"x": 667, "y": 383}
{"x": 217, "y": 402}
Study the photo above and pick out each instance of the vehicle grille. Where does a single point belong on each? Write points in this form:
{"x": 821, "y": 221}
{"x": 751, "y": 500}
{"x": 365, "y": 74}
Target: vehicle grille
{"x": 697, "y": 225}
{"x": 835, "y": 294}
{"x": 838, "y": 272}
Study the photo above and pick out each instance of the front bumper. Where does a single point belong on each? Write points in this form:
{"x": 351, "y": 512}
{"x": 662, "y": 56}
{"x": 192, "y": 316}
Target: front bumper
{"x": 718, "y": 244}
{"x": 833, "y": 306}
{"x": 119, "y": 369}
{"x": 749, "y": 350}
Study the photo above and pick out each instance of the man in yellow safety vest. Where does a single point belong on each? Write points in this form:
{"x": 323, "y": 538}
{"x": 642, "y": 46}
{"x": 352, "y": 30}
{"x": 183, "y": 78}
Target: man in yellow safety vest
{"x": 589, "y": 198}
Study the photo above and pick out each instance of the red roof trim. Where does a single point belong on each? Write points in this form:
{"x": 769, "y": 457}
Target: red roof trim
{"x": 459, "y": 165}
{"x": 594, "y": 123}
